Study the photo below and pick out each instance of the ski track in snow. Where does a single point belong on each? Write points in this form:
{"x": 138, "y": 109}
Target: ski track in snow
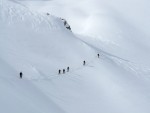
{"x": 39, "y": 75}
{"x": 139, "y": 70}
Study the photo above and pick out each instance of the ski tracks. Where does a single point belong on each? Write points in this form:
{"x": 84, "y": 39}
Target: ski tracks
{"x": 139, "y": 70}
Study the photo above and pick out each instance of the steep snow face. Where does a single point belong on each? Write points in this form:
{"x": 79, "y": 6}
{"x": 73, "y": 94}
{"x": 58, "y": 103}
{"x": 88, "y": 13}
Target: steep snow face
{"x": 39, "y": 35}
{"x": 39, "y": 44}
{"x": 118, "y": 26}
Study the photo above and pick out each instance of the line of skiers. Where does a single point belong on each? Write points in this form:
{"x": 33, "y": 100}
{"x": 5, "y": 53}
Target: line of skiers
{"x": 59, "y": 71}
{"x": 63, "y": 71}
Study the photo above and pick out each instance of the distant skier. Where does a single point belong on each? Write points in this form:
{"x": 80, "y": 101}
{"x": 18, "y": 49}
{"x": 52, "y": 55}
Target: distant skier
{"x": 21, "y": 74}
{"x": 98, "y": 55}
{"x": 67, "y": 69}
{"x": 63, "y": 71}
{"x": 59, "y": 71}
{"x": 47, "y": 13}
{"x": 84, "y": 62}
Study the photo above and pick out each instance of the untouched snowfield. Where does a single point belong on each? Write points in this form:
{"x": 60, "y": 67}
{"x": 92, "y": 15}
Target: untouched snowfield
{"x": 39, "y": 45}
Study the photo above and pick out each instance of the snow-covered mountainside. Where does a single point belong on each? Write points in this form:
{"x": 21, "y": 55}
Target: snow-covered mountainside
{"x": 113, "y": 25}
{"x": 37, "y": 43}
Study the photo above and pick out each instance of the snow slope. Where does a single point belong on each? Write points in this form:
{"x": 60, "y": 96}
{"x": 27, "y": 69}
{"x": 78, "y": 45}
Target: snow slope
{"x": 38, "y": 45}
{"x": 112, "y": 24}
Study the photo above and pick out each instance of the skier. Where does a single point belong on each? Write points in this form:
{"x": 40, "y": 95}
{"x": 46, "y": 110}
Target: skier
{"x": 59, "y": 71}
{"x": 21, "y": 74}
{"x": 98, "y": 55}
{"x": 47, "y": 13}
{"x": 67, "y": 69}
{"x": 84, "y": 62}
{"x": 63, "y": 71}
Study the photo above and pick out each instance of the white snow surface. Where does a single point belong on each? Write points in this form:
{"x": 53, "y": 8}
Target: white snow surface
{"x": 39, "y": 45}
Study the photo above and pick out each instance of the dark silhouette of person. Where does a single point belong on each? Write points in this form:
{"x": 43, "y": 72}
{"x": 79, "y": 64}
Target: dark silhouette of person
{"x": 67, "y": 69}
{"x": 63, "y": 71}
{"x": 47, "y": 13}
{"x": 59, "y": 71}
{"x": 21, "y": 74}
{"x": 84, "y": 62}
{"x": 98, "y": 55}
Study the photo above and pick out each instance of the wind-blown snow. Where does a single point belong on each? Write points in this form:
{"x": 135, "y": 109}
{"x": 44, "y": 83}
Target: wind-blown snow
{"x": 39, "y": 45}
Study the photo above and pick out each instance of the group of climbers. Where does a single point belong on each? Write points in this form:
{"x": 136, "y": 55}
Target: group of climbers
{"x": 60, "y": 71}
{"x": 63, "y": 71}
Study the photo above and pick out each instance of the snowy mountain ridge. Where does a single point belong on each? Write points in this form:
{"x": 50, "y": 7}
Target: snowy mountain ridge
{"x": 18, "y": 13}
